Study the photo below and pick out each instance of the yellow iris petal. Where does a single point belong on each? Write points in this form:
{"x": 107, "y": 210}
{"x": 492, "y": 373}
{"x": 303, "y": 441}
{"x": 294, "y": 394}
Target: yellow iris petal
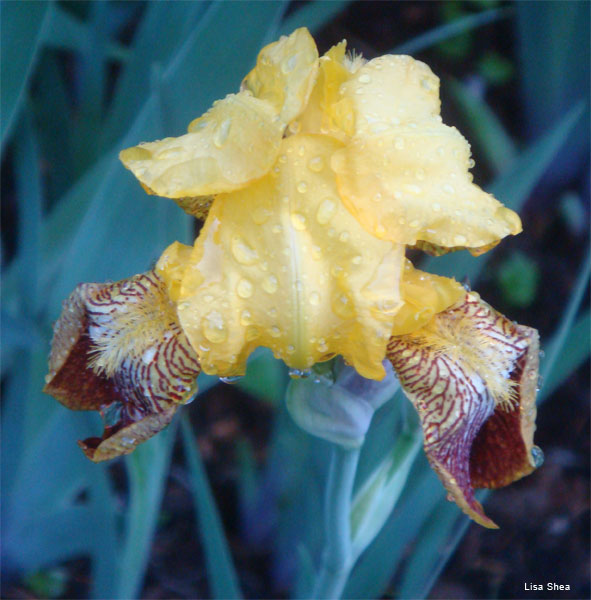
{"x": 424, "y": 295}
{"x": 392, "y": 90}
{"x": 411, "y": 183}
{"x": 284, "y": 265}
{"x": 235, "y": 142}
{"x": 285, "y": 73}
{"x": 326, "y": 111}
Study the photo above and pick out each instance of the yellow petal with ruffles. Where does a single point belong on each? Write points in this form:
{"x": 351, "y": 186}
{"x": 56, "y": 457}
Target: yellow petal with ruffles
{"x": 411, "y": 183}
{"x": 327, "y": 112}
{"x": 285, "y": 73}
{"x": 284, "y": 265}
{"x": 232, "y": 144}
{"x": 424, "y": 296}
{"x": 392, "y": 90}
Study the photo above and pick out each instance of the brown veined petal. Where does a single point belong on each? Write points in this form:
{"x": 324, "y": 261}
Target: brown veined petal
{"x": 284, "y": 265}
{"x": 285, "y": 73}
{"x": 424, "y": 295}
{"x": 411, "y": 184}
{"x": 471, "y": 374}
{"x": 391, "y": 90}
{"x": 118, "y": 348}
{"x": 233, "y": 143}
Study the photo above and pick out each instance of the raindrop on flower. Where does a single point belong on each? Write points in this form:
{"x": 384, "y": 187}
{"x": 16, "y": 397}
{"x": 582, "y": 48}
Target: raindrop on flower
{"x": 221, "y": 133}
{"x": 270, "y": 284}
{"x": 299, "y": 373}
{"x": 231, "y": 379}
{"x": 302, "y": 187}
{"x": 326, "y": 211}
{"x": 214, "y": 327}
{"x": 537, "y": 455}
{"x": 316, "y": 164}
{"x": 244, "y": 288}
{"x": 299, "y": 221}
{"x": 242, "y": 252}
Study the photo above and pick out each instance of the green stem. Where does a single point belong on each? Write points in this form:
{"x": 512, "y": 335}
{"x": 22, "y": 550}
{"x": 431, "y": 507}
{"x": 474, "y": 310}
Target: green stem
{"x": 337, "y": 557}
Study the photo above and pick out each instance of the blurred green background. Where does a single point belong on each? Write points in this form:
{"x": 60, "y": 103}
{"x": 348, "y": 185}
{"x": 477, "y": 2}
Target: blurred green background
{"x": 239, "y": 512}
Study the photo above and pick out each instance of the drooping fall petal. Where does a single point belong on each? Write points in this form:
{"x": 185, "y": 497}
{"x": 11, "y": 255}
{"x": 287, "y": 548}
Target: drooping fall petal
{"x": 285, "y": 74}
{"x": 284, "y": 265}
{"x": 472, "y": 374}
{"x": 233, "y": 143}
{"x": 118, "y": 348}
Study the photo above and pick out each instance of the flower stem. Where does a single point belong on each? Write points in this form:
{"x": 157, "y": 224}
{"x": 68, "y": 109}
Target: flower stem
{"x": 337, "y": 556}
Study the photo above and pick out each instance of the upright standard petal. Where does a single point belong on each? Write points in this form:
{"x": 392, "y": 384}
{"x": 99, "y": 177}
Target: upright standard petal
{"x": 411, "y": 183}
{"x": 327, "y": 112}
{"x": 472, "y": 374}
{"x": 285, "y": 74}
{"x": 232, "y": 144}
{"x": 284, "y": 265}
{"x": 118, "y": 348}
{"x": 391, "y": 90}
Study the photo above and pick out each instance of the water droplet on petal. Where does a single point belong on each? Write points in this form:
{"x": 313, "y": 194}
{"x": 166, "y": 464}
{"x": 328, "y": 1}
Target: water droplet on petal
{"x": 459, "y": 240}
{"x": 302, "y": 187}
{"x": 190, "y": 399}
{"x": 270, "y": 284}
{"x": 412, "y": 189}
{"x": 126, "y": 441}
{"x": 214, "y": 327}
{"x": 231, "y": 379}
{"x": 275, "y": 331}
{"x": 326, "y": 211}
{"x": 399, "y": 143}
{"x": 537, "y": 455}
{"x": 365, "y": 78}
{"x": 261, "y": 215}
{"x": 448, "y": 189}
{"x": 242, "y": 252}
{"x": 343, "y": 306}
{"x": 245, "y": 318}
{"x": 436, "y": 207}
{"x": 316, "y": 164}
{"x": 244, "y": 288}
{"x": 288, "y": 65}
{"x": 299, "y": 221}
{"x": 299, "y": 373}
{"x": 345, "y": 235}
{"x": 221, "y": 133}
{"x": 315, "y": 298}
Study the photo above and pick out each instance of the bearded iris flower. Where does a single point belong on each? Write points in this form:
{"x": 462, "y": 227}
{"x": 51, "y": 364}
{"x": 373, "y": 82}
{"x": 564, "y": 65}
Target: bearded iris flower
{"x": 312, "y": 180}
